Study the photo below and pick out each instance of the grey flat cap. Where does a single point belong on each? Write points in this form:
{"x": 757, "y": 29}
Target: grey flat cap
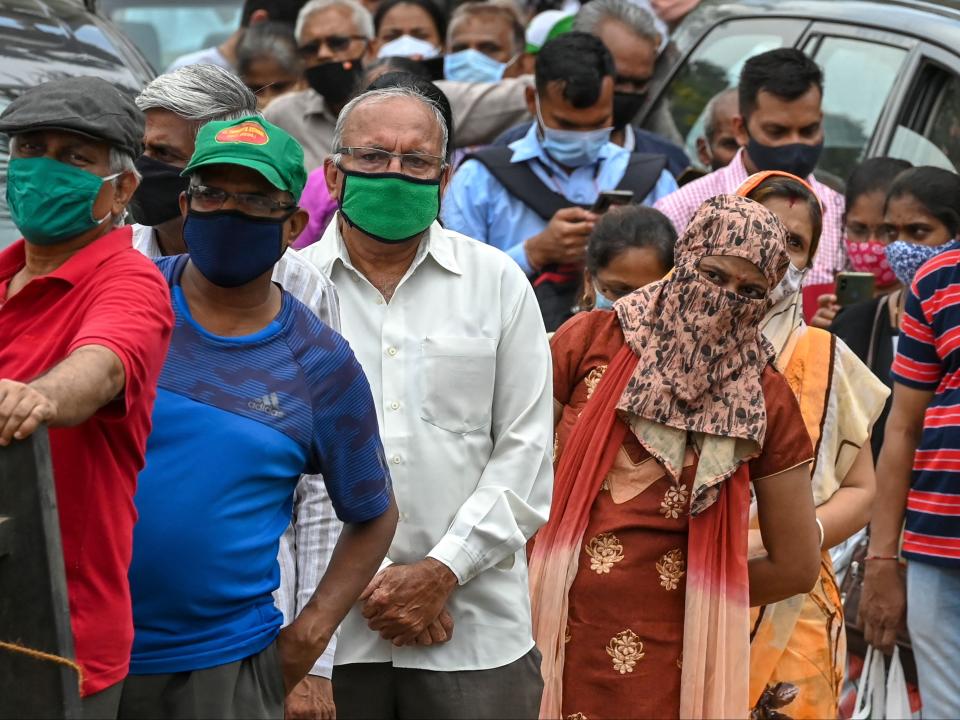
{"x": 87, "y": 105}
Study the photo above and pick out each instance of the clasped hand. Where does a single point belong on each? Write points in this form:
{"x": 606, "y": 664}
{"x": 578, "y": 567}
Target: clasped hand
{"x": 405, "y": 603}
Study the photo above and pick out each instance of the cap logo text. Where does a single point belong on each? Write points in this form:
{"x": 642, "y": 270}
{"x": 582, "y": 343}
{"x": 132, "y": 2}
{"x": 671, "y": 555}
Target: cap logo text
{"x": 248, "y": 133}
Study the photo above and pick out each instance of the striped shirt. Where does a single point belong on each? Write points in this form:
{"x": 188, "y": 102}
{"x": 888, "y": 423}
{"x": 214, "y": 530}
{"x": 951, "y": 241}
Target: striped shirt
{"x": 682, "y": 205}
{"x": 928, "y": 358}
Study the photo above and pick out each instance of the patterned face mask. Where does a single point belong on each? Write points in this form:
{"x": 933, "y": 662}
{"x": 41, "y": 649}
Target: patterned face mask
{"x": 905, "y": 258}
{"x": 699, "y": 347}
{"x": 869, "y": 257}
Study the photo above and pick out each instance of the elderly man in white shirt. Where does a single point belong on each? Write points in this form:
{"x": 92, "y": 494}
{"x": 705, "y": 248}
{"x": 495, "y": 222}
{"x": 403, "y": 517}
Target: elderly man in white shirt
{"x": 176, "y": 105}
{"x": 448, "y": 332}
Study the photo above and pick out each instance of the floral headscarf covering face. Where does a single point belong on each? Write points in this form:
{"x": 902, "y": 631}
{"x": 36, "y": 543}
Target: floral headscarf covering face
{"x": 699, "y": 348}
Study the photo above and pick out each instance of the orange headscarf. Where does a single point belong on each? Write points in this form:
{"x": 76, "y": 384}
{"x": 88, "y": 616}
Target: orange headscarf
{"x": 757, "y": 179}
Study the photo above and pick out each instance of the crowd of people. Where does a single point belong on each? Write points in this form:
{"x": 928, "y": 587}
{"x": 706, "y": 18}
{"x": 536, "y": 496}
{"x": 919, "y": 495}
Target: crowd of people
{"x": 392, "y": 371}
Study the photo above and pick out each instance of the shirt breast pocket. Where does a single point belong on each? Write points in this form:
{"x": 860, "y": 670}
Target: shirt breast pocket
{"x": 457, "y": 377}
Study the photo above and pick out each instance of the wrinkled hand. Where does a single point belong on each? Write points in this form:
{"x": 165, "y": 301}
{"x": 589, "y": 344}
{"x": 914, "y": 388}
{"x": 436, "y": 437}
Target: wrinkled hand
{"x": 883, "y": 603}
{"x": 438, "y": 632}
{"x": 402, "y": 601}
{"x": 299, "y": 645}
{"x": 311, "y": 699}
{"x": 564, "y": 240}
{"x": 827, "y": 310}
{"x": 22, "y": 410}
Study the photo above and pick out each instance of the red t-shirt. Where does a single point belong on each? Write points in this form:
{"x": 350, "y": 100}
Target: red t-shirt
{"x": 107, "y": 294}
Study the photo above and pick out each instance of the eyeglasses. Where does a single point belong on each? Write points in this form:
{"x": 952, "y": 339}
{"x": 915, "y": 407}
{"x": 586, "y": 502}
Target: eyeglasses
{"x": 336, "y": 43}
{"x": 374, "y": 160}
{"x": 208, "y": 199}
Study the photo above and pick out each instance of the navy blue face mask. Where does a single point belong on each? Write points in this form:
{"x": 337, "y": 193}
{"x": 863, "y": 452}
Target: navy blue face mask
{"x": 231, "y": 248}
{"x": 797, "y": 158}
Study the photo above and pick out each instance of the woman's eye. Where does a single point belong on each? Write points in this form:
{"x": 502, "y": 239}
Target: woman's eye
{"x": 752, "y": 292}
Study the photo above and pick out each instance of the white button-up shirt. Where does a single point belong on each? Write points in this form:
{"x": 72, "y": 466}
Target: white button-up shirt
{"x": 459, "y": 366}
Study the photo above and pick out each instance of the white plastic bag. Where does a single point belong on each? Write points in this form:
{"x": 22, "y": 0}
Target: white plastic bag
{"x": 871, "y": 695}
{"x": 898, "y": 700}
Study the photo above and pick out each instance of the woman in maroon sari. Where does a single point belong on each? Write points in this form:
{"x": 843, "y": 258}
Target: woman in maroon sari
{"x": 667, "y": 410}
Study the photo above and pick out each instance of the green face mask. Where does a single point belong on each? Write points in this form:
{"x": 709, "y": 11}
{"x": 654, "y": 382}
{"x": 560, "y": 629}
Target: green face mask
{"x": 51, "y": 202}
{"x": 389, "y": 207}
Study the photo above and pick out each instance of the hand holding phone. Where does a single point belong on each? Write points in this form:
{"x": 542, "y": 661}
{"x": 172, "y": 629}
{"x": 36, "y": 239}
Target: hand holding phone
{"x": 854, "y": 287}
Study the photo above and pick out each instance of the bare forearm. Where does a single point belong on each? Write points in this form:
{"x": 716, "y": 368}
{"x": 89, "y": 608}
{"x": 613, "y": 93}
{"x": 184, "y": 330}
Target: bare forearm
{"x": 848, "y": 510}
{"x": 89, "y": 378}
{"x": 788, "y": 528}
{"x": 772, "y": 582}
{"x": 844, "y": 514}
{"x": 356, "y": 558}
{"x": 894, "y": 468}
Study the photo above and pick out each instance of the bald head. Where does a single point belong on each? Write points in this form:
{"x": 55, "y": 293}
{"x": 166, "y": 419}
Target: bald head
{"x": 395, "y": 119}
{"x": 718, "y": 144}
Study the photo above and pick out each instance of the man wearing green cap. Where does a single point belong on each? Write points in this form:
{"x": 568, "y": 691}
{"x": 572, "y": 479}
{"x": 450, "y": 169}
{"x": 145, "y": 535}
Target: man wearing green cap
{"x": 256, "y": 390}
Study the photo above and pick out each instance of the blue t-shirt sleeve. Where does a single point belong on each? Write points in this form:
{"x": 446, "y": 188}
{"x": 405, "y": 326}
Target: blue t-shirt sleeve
{"x": 347, "y": 445}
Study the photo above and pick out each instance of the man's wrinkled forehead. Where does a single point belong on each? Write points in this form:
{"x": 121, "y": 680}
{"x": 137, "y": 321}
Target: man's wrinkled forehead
{"x": 381, "y": 122}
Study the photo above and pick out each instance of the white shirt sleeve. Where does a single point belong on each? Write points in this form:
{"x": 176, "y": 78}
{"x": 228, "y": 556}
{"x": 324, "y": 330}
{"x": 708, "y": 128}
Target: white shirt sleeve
{"x": 512, "y": 498}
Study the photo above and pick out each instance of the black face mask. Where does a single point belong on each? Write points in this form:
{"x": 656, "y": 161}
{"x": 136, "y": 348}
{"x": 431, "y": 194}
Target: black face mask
{"x": 335, "y": 81}
{"x": 157, "y": 199}
{"x": 625, "y": 108}
{"x": 797, "y": 158}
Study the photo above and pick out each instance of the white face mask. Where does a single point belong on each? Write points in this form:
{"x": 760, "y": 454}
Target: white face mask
{"x": 789, "y": 285}
{"x": 409, "y": 46}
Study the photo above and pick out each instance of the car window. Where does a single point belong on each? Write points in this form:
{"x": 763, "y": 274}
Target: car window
{"x": 857, "y": 78}
{"x": 930, "y": 135}
{"x": 163, "y": 31}
{"x": 713, "y": 66}
{"x": 8, "y": 232}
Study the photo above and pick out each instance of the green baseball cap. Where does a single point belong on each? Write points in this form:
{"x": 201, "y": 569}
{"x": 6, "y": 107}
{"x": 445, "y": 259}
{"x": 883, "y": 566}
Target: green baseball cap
{"x": 254, "y": 143}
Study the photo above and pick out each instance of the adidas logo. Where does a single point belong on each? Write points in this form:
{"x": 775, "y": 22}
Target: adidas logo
{"x": 270, "y": 404}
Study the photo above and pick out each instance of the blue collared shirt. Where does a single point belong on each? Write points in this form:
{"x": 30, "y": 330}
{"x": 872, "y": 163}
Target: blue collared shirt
{"x": 477, "y": 205}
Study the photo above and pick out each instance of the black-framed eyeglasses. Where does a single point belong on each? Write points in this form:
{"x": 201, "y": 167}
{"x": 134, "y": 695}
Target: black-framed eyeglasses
{"x": 375, "y": 160}
{"x": 336, "y": 44}
{"x": 207, "y": 198}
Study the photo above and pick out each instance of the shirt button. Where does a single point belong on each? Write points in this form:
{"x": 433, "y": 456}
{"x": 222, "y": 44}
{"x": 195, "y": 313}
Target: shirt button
{"x": 392, "y": 351}
{"x": 395, "y": 459}
{"x": 394, "y": 405}
{"x": 379, "y": 301}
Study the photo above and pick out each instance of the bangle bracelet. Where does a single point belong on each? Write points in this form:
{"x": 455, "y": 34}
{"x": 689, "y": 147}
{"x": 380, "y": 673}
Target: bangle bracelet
{"x": 820, "y": 528}
{"x": 882, "y": 557}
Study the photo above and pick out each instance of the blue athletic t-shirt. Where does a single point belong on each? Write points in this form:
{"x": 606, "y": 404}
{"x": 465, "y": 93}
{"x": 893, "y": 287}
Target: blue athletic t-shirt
{"x": 236, "y": 421}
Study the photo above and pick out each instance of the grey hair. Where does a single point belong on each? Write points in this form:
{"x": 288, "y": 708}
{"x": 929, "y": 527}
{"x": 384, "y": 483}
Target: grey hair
{"x": 638, "y": 19}
{"x": 199, "y": 93}
{"x": 388, "y": 94}
{"x": 269, "y": 39}
{"x": 121, "y": 162}
{"x": 361, "y": 16}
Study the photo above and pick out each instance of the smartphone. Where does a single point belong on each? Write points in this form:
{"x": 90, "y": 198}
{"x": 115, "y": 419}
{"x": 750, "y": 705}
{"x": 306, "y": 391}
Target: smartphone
{"x": 854, "y": 287}
{"x": 611, "y": 198}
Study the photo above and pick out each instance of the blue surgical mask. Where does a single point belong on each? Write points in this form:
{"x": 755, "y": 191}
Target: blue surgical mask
{"x": 906, "y": 258}
{"x": 409, "y": 46}
{"x": 472, "y": 66}
{"x": 601, "y": 301}
{"x": 231, "y": 248}
{"x": 573, "y": 148}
